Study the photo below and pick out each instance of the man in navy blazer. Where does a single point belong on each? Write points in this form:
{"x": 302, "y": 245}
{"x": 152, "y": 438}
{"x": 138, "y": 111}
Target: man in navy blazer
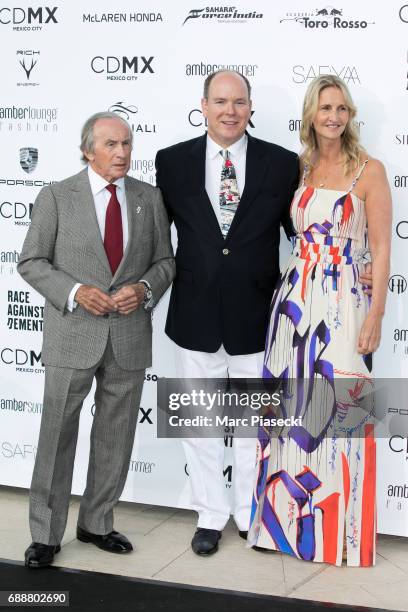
{"x": 226, "y": 274}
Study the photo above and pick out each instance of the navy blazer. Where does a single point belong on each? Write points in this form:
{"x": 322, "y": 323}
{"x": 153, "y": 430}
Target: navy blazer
{"x": 223, "y": 287}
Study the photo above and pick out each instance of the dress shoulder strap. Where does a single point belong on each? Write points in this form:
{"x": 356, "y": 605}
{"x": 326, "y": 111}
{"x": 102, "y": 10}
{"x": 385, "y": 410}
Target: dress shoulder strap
{"x": 359, "y": 173}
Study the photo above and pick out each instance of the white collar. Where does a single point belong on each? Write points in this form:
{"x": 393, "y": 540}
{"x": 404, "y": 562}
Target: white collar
{"x": 98, "y": 183}
{"x": 236, "y": 149}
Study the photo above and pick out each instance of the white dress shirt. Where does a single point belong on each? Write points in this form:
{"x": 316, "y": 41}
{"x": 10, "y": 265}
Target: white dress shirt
{"x": 213, "y": 167}
{"x": 101, "y": 198}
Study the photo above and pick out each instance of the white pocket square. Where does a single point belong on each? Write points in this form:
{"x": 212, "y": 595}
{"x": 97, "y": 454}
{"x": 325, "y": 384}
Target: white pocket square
{"x": 138, "y": 209}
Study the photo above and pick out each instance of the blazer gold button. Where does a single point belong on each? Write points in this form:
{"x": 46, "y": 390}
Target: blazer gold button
{"x": 225, "y": 251}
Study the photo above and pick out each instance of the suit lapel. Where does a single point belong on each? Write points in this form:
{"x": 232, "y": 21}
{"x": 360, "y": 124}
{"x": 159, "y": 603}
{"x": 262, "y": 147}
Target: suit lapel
{"x": 84, "y": 206}
{"x": 135, "y": 213}
{"x": 255, "y": 168}
{"x": 197, "y": 185}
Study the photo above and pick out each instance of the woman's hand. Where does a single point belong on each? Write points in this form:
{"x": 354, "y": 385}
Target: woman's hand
{"x": 370, "y": 334}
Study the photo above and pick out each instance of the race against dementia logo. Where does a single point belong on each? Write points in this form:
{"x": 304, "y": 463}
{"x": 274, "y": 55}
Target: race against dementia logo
{"x": 326, "y": 17}
{"x": 222, "y": 14}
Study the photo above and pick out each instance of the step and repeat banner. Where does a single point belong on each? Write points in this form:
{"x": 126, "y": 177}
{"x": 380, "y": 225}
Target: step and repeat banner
{"x": 146, "y": 61}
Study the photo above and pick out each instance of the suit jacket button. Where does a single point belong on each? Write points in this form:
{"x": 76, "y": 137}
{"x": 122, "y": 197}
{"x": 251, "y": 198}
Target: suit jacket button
{"x": 225, "y": 251}
{"x": 106, "y": 315}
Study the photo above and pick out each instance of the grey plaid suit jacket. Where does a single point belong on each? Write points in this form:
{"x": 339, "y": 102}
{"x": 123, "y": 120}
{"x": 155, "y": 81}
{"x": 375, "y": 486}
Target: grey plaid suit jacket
{"x": 63, "y": 246}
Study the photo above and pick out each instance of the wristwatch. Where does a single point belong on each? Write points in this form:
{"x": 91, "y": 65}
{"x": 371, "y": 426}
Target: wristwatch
{"x": 148, "y": 292}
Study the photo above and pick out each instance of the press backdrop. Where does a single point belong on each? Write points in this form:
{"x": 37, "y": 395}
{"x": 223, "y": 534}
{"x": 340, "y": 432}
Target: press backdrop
{"x": 62, "y": 61}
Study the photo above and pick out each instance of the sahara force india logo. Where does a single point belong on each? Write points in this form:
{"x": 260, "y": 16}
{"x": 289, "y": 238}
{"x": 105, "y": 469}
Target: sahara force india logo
{"x": 223, "y": 14}
{"x": 327, "y": 17}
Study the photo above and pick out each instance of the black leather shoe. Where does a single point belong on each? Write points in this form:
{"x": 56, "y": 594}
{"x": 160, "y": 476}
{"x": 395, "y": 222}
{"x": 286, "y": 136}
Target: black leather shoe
{"x": 40, "y": 555}
{"x": 205, "y": 541}
{"x": 243, "y": 534}
{"x": 114, "y": 541}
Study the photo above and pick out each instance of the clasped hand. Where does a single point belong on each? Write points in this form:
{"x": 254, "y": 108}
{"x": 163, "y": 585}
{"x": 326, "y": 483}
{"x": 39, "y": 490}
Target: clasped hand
{"x": 97, "y": 302}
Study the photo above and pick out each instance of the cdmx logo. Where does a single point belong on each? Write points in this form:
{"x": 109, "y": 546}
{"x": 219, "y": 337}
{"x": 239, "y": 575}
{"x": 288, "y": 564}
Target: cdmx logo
{"x": 399, "y": 444}
{"x": 196, "y": 119}
{"x": 28, "y": 159}
{"x": 124, "y": 111}
{"x": 227, "y": 473}
{"x": 19, "y": 357}
{"x": 403, "y": 13}
{"x": 112, "y": 64}
{"x": 402, "y": 229}
{"x": 144, "y": 414}
{"x": 326, "y": 17}
{"x": 397, "y": 284}
{"x": 17, "y": 15}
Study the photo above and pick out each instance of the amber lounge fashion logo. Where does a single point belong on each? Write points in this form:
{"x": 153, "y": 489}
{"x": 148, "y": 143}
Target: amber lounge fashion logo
{"x": 222, "y": 14}
{"x": 326, "y": 17}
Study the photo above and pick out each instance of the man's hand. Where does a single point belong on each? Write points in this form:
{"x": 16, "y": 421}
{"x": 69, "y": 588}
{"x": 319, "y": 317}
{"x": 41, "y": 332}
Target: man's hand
{"x": 94, "y": 300}
{"x": 366, "y": 279}
{"x": 129, "y": 298}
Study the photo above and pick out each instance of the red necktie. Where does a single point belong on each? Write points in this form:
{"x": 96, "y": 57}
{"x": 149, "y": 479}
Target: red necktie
{"x": 113, "y": 240}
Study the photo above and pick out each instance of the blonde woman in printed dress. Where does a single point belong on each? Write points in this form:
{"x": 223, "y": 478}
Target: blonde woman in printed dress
{"x": 314, "y": 495}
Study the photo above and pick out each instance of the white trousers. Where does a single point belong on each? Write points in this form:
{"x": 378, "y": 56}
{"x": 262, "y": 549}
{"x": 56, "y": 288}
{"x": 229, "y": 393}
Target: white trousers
{"x": 205, "y": 456}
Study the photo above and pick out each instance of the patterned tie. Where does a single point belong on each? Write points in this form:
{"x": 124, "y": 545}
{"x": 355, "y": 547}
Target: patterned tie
{"x": 229, "y": 194}
{"x": 113, "y": 240}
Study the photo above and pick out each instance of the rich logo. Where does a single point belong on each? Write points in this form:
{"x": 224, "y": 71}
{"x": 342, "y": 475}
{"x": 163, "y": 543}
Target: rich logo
{"x": 196, "y": 119}
{"x": 27, "y": 59}
{"x": 326, "y": 17}
{"x": 397, "y": 284}
{"x": 403, "y": 13}
{"x": 18, "y": 16}
{"x": 28, "y": 159}
{"x": 126, "y": 111}
{"x": 402, "y": 230}
{"x": 222, "y": 14}
{"x": 304, "y": 74}
{"x": 118, "y": 68}
{"x": 203, "y": 70}
{"x": 121, "y": 17}
{"x": 400, "y": 181}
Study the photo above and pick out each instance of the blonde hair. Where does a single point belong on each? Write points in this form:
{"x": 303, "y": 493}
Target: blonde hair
{"x": 351, "y": 147}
